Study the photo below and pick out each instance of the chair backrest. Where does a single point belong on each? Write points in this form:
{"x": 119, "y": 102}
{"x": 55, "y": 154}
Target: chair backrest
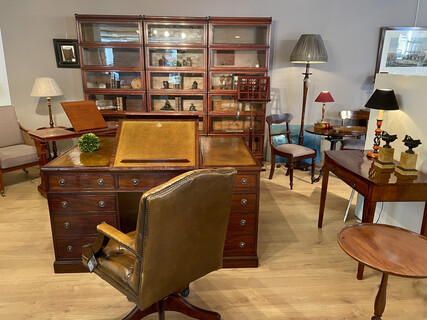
{"x": 359, "y": 117}
{"x": 10, "y": 133}
{"x": 278, "y": 119}
{"x": 181, "y": 231}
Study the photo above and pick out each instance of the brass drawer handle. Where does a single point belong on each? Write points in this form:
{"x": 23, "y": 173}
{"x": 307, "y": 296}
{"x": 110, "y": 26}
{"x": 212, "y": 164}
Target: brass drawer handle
{"x": 67, "y": 225}
{"x": 244, "y": 202}
{"x": 242, "y": 244}
{"x": 64, "y": 204}
{"x": 244, "y": 181}
{"x": 62, "y": 182}
{"x": 135, "y": 182}
{"x": 354, "y": 184}
{"x": 70, "y": 248}
{"x": 101, "y": 204}
{"x": 100, "y": 181}
{"x": 243, "y": 222}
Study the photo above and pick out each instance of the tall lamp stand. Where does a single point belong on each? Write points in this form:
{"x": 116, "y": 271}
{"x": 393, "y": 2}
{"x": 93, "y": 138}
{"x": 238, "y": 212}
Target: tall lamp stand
{"x": 306, "y": 74}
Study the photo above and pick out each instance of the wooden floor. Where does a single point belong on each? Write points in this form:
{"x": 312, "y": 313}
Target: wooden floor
{"x": 303, "y": 273}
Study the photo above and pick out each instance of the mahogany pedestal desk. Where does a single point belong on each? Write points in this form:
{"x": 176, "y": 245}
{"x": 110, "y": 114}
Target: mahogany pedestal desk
{"x": 84, "y": 191}
{"x": 388, "y": 249}
{"x": 375, "y": 185}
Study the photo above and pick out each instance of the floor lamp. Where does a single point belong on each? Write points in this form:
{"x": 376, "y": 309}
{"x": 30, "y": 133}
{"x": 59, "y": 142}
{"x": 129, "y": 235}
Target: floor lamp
{"x": 309, "y": 49}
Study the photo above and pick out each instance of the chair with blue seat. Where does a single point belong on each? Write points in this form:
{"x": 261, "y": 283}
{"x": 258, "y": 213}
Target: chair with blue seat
{"x": 290, "y": 151}
{"x": 17, "y": 150}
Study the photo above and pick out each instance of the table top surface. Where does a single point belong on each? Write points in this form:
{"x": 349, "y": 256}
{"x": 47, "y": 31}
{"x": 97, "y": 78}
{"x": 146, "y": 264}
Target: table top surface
{"x": 356, "y": 162}
{"x": 338, "y": 132}
{"x": 386, "y": 248}
{"x": 214, "y": 152}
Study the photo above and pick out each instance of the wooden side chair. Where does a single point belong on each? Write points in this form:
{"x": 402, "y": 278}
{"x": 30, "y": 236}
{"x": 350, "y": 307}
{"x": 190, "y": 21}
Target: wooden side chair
{"x": 17, "y": 150}
{"x": 292, "y": 152}
{"x": 179, "y": 237}
{"x": 359, "y": 118}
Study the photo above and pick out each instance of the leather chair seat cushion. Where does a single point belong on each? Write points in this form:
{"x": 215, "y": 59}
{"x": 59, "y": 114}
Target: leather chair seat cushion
{"x": 295, "y": 150}
{"x": 117, "y": 263}
{"x": 17, "y": 155}
{"x": 353, "y": 144}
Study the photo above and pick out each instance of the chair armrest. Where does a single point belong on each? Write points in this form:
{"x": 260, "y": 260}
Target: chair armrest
{"x": 118, "y": 236}
{"x": 26, "y": 136}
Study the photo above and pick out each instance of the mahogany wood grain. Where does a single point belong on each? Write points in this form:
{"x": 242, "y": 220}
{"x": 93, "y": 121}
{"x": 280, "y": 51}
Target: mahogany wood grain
{"x": 388, "y": 249}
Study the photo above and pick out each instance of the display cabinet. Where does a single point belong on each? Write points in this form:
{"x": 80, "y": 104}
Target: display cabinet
{"x": 112, "y": 62}
{"x": 237, "y": 47}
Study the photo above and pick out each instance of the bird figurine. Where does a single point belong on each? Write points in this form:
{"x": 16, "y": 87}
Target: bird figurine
{"x": 411, "y": 144}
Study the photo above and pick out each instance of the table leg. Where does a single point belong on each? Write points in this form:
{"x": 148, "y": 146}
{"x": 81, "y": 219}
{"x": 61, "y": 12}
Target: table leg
{"x": 323, "y": 196}
{"x": 380, "y": 299}
{"x": 333, "y": 147}
{"x": 368, "y": 217}
{"x": 54, "y": 149}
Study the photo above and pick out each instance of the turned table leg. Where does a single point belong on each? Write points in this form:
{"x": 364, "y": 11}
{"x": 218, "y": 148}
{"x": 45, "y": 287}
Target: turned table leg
{"x": 380, "y": 299}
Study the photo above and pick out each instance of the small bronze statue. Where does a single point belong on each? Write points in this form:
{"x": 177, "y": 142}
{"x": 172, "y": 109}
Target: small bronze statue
{"x": 411, "y": 144}
{"x": 165, "y": 84}
{"x": 387, "y": 138}
{"x": 167, "y": 107}
{"x": 195, "y": 85}
{"x": 192, "y": 107}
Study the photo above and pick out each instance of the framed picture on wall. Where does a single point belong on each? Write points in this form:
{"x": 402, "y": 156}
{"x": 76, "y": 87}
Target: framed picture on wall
{"x": 66, "y": 53}
{"x": 402, "y": 50}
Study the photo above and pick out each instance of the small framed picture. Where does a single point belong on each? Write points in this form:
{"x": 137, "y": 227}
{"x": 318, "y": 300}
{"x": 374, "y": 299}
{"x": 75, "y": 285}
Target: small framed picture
{"x": 402, "y": 50}
{"x": 66, "y": 53}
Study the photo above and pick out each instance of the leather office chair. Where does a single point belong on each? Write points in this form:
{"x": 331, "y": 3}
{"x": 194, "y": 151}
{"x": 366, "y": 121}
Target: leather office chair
{"x": 179, "y": 238}
{"x": 360, "y": 118}
{"x": 292, "y": 152}
{"x": 17, "y": 149}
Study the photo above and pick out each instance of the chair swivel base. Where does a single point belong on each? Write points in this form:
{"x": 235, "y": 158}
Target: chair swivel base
{"x": 173, "y": 302}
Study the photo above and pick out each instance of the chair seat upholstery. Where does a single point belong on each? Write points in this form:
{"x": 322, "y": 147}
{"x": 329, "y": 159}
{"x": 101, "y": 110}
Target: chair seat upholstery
{"x": 295, "y": 150}
{"x": 118, "y": 264}
{"x": 17, "y": 155}
{"x": 354, "y": 144}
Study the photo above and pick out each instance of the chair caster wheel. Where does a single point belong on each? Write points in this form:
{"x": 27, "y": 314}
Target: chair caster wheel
{"x": 185, "y": 292}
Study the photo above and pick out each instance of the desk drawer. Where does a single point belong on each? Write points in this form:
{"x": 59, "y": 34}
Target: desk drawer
{"x": 246, "y": 181}
{"x": 82, "y": 203}
{"x": 71, "y": 248}
{"x": 144, "y": 180}
{"x": 239, "y": 245}
{"x": 86, "y": 181}
{"x": 244, "y": 202}
{"x": 354, "y": 182}
{"x": 241, "y": 223}
{"x": 81, "y": 224}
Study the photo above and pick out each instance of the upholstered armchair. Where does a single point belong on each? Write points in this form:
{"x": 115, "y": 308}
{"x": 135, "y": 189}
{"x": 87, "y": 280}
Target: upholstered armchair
{"x": 179, "y": 237}
{"x": 16, "y": 147}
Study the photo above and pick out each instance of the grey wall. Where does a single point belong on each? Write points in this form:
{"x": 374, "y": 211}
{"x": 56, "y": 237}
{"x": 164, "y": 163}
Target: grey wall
{"x": 349, "y": 28}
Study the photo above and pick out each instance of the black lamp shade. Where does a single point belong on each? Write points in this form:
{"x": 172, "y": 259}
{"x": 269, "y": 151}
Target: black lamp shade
{"x": 383, "y": 99}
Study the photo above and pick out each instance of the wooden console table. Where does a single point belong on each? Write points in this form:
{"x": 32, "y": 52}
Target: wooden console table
{"x": 375, "y": 185}
{"x": 83, "y": 191}
{"x": 388, "y": 249}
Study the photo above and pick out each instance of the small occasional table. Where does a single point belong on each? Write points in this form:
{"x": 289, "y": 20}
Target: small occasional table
{"x": 333, "y": 135}
{"x": 388, "y": 249}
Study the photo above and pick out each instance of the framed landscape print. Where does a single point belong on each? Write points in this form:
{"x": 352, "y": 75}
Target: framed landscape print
{"x": 402, "y": 50}
{"x": 66, "y": 53}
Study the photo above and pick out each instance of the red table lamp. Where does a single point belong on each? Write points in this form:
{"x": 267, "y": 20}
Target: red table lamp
{"x": 324, "y": 96}
{"x": 381, "y": 99}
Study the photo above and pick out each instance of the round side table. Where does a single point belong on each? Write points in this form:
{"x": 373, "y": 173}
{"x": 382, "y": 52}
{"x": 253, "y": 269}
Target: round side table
{"x": 388, "y": 249}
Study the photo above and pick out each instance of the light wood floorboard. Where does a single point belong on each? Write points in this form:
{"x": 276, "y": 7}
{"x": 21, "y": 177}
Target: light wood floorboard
{"x": 303, "y": 273}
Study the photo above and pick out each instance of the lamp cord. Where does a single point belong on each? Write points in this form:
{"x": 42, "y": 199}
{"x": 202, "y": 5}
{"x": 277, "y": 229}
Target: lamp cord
{"x": 416, "y": 13}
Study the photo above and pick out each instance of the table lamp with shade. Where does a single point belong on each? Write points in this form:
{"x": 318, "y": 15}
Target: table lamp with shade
{"x": 381, "y": 99}
{"x": 324, "y": 97}
{"x": 46, "y": 87}
{"x": 309, "y": 49}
